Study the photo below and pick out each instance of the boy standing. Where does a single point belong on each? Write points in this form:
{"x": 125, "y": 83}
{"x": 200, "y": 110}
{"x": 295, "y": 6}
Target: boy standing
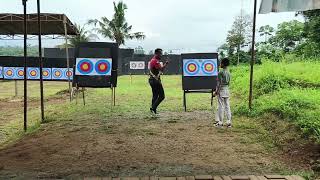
{"x": 223, "y": 94}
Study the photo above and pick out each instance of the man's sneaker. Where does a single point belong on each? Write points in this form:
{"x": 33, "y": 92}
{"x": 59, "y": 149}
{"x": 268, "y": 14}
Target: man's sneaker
{"x": 154, "y": 111}
{"x": 229, "y": 125}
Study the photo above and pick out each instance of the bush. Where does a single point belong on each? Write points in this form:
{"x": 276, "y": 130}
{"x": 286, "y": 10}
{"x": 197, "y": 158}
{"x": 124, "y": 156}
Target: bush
{"x": 288, "y": 90}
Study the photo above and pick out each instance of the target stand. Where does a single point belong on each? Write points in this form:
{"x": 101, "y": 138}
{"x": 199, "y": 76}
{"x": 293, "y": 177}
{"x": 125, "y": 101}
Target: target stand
{"x": 96, "y": 67}
{"x": 199, "y": 74}
{"x": 185, "y": 92}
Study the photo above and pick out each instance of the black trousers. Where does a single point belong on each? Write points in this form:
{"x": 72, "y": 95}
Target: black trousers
{"x": 157, "y": 92}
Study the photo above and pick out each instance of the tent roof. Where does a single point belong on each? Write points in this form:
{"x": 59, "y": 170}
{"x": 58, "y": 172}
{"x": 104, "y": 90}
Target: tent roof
{"x": 51, "y": 24}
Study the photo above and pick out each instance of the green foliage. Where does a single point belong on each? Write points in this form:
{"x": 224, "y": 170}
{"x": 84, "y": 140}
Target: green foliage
{"x": 288, "y": 90}
{"x": 116, "y": 29}
{"x": 312, "y": 26}
{"x": 288, "y": 35}
{"x": 18, "y": 51}
{"x": 266, "y": 31}
{"x": 83, "y": 36}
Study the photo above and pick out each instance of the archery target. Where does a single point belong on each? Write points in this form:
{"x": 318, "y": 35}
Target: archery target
{"x": 93, "y": 67}
{"x": 103, "y": 67}
{"x": 137, "y": 65}
{"x": 19, "y": 73}
{"x": 209, "y": 67}
{"x": 9, "y": 72}
{"x": 85, "y": 67}
{"x": 67, "y": 73}
{"x": 33, "y": 73}
{"x": 191, "y": 67}
{"x": 46, "y": 73}
{"x": 57, "y": 73}
{"x": 1, "y": 73}
{"x": 200, "y": 67}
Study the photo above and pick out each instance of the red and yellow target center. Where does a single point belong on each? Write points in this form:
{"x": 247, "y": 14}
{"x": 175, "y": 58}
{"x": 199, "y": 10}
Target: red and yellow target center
{"x": 102, "y": 67}
{"x": 33, "y": 73}
{"x": 85, "y": 67}
{"x": 9, "y": 73}
{"x": 57, "y": 73}
{"x": 45, "y": 73}
{"x": 209, "y": 67}
{"x": 20, "y": 73}
{"x": 192, "y": 67}
{"x": 69, "y": 73}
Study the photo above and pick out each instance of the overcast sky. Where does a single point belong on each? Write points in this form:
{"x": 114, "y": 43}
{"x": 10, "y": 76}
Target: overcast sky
{"x": 187, "y": 25}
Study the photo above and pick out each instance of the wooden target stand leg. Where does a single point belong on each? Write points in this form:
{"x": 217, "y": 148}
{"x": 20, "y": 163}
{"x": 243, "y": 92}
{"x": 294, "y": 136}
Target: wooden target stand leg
{"x": 77, "y": 91}
{"x": 113, "y": 96}
{"x": 83, "y": 96}
{"x": 212, "y": 96}
{"x": 184, "y": 101}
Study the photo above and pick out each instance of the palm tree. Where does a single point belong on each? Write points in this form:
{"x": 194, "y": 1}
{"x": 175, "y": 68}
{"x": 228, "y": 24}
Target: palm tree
{"x": 266, "y": 31}
{"x": 82, "y": 36}
{"x": 117, "y": 29}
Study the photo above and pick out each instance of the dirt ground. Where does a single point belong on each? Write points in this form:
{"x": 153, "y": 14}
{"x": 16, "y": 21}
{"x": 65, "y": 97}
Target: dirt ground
{"x": 163, "y": 146}
{"x": 172, "y": 144}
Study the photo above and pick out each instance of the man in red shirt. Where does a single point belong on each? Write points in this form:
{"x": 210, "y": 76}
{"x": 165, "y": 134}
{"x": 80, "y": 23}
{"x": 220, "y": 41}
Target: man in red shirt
{"x": 155, "y": 82}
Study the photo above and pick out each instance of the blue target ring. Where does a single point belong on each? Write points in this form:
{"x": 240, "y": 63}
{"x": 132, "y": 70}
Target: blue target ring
{"x": 85, "y": 66}
{"x": 20, "y": 73}
{"x": 33, "y": 73}
{"x": 210, "y": 62}
{"x": 57, "y": 73}
{"x": 187, "y": 71}
{"x": 103, "y": 67}
{"x": 8, "y": 72}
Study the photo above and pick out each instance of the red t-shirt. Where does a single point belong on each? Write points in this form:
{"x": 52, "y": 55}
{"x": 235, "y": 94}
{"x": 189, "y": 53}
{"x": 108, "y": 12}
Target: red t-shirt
{"x": 155, "y": 66}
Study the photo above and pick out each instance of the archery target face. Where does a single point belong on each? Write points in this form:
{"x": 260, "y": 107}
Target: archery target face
{"x": 209, "y": 67}
{"x": 93, "y": 67}
{"x": 33, "y": 73}
{"x": 67, "y": 73}
{"x": 19, "y": 73}
{"x": 137, "y": 65}
{"x": 85, "y": 66}
{"x": 9, "y": 72}
{"x": 57, "y": 73}
{"x": 200, "y": 67}
{"x": 46, "y": 73}
{"x": 191, "y": 68}
{"x": 103, "y": 67}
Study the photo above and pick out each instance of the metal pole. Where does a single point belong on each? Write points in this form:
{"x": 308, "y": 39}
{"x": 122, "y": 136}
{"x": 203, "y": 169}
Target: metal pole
{"x": 67, "y": 53}
{"x": 24, "y": 2}
{"x": 41, "y": 62}
{"x": 252, "y": 52}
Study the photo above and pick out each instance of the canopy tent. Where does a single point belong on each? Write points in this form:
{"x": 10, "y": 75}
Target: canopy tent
{"x": 12, "y": 25}
{"x": 51, "y": 24}
{"x": 268, "y": 6}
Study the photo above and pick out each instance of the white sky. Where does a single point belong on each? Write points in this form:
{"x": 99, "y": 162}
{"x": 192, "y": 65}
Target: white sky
{"x": 187, "y": 25}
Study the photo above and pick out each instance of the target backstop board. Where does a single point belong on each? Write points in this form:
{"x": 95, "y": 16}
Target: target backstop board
{"x": 96, "y": 65}
{"x": 199, "y": 71}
